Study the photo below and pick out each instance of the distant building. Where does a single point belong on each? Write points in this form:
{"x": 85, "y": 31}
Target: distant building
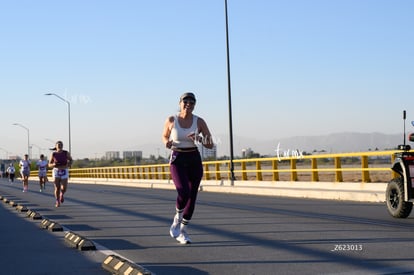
{"x": 14, "y": 157}
{"x": 247, "y": 152}
{"x": 132, "y": 154}
{"x": 112, "y": 155}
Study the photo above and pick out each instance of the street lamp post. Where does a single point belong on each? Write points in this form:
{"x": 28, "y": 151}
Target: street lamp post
{"x": 28, "y": 137}
{"x": 232, "y": 177}
{"x": 68, "y": 103}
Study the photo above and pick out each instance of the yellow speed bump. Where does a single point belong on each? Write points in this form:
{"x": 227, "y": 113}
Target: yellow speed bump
{"x": 118, "y": 265}
{"x": 50, "y": 225}
{"x": 21, "y": 208}
{"x": 53, "y": 226}
{"x": 34, "y": 215}
{"x": 45, "y": 223}
{"x": 79, "y": 242}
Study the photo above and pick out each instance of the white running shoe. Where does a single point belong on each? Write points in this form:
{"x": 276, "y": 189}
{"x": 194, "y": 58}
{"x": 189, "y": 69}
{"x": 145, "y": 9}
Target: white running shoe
{"x": 183, "y": 238}
{"x": 175, "y": 227}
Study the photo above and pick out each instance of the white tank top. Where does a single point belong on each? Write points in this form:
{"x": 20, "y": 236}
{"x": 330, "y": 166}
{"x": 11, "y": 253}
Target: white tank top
{"x": 42, "y": 164}
{"x": 25, "y": 164}
{"x": 179, "y": 135}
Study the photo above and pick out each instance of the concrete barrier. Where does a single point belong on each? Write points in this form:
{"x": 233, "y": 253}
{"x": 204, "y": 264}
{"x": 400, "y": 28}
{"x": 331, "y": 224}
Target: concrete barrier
{"x": 349, "y": 191}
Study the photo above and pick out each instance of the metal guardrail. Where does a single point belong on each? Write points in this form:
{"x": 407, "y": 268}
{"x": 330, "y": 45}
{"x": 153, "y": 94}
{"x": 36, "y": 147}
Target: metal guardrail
{"x": 359, "y": 166}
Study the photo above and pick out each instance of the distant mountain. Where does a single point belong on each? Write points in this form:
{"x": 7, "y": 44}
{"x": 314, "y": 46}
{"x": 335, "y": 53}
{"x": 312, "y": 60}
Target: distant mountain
{"x": 332, "y": 143}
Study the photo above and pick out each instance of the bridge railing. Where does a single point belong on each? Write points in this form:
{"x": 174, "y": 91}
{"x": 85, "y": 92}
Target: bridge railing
{"x": 373, "y": 166}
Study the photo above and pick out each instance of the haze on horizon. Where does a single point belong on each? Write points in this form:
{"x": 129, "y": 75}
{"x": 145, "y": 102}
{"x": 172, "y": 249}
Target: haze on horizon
{"x": 298, "y": 68}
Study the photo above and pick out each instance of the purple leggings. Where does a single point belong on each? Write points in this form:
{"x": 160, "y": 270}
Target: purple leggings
{"x": 186, "y": 171}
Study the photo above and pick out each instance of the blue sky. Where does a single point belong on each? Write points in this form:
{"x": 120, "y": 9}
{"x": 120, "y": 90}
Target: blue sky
{"x": 298, "y": 67}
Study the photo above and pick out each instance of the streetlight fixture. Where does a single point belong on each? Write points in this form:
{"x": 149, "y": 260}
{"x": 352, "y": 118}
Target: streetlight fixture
{"x": 232, "y": 177}
{"x": 68, "y": 103}
{"x": 50, "y": 140}
{"x": 28, "y": 137}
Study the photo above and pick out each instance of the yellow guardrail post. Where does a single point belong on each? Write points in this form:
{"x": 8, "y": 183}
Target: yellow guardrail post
{"x": 206, "y": 172}
{"x": 164, "y": 176}
{"x": 258, "y": 171}
{"x": 293, "y": 173}
{"x": 364, "y": 167}
{"x": 314, "y": 165}
{"x": 125, "y": 173}
{"x": 338, "y": 171}
{"x": 134, "y": 172}
{"x": 218, "y": 174}
{"x": 244, "y": 173}
{"x": 228, "y": 169}
{"x": 150, "y": 173}
{"x": 275, "y": 174}
{"x": 156, "y": 172}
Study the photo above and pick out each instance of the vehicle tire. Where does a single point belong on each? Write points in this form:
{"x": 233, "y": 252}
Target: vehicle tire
{"x": 394, "y": 197}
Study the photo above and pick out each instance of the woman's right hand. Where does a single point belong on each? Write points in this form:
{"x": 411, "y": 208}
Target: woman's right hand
{"x": 169, "y": 144}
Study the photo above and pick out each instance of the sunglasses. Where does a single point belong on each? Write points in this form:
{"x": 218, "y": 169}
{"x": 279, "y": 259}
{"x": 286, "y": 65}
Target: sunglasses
{"x": 191, "y": 102}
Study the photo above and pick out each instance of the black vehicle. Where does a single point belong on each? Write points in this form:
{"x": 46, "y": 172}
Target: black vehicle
{"x": 399, "y": 194}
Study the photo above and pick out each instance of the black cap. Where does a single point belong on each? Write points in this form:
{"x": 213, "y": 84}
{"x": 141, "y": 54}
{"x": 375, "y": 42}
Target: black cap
{"x": 188, "y": 95}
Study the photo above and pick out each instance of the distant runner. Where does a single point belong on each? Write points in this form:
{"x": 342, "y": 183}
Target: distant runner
{"x": 60, "y": 161}
{"x": 42, "y": 172}
{"x": 24, "y": 165}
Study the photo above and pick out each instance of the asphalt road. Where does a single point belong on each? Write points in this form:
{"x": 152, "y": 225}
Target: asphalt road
{"x": 232, "y": 234}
